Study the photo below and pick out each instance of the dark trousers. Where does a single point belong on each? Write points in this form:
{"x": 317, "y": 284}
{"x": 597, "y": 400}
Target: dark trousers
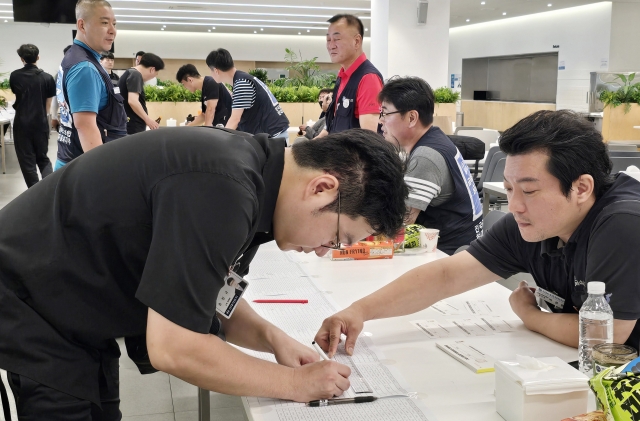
{"x": 31, "y": 149}
{"x": 36, "y": 402}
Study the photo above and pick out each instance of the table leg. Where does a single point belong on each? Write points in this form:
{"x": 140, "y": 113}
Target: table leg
{"x": 2, "y": 146}
{"x": 204, "y": 409}
{"x": 486, "y": 198}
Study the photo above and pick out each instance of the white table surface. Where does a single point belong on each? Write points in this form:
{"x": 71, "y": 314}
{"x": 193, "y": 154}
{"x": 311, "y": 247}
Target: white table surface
{"x": 448, "y": 388}
{"x": 491, "y": 188}
{"x": 6, "y": 116}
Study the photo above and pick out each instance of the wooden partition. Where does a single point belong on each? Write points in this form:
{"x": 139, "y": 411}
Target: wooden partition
{"x": 616, "y": 125}
{"x": 499, "y": 115}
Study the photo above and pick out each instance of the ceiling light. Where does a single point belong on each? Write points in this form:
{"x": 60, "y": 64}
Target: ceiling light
{"x": 213, "y": 27}
{"x": 483, "y": 2}
{"x": 299, "y": 33}
{"x": 308, "y": 30}
{"x": 255, "y": 32}
{"x": 202, "y": 3}
{"x": 366, "y": 29}
{"x": 209, "y": 30}
{"x": 262, "y": 29}
{"x": 216, "y": 19}
{"x": 549, "y": 5}
{"x": 231, "y": 25}
{"x": 222, "y": 12}
{"x": 468, "y": 20}
{"x": 504, "y": 13}
{"x": 162, "y": 29}
{"x": 164, "y": 26}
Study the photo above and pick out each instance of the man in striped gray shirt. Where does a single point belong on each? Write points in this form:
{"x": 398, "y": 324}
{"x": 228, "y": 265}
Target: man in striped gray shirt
{"x": 442, "y": 192}
{"x": 254, "y": 109}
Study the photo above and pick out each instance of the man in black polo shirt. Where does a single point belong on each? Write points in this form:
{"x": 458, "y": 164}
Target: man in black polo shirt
{"x": 141, "y": 235}
{"x": 214, "y": 96}
{"x": 254, "y": 108}
{"x": 131, "y": 86}
{"x": 571, "y": 222}
{"x": 34, "y": 90}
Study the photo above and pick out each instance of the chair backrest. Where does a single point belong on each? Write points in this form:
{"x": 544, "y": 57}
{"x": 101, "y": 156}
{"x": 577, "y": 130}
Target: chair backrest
{"x": 623, "y": 148}
{"x": 620, "y": 163}
{"x": 491, "y": 218}
{"x": 462, "y": 128}
{"x": 444, "y": 122}
{"x": 490, "y": 163}
{"x": 623, "y": 153}
{"x": 498, "y": 170}
{"x": 469, "y": 147}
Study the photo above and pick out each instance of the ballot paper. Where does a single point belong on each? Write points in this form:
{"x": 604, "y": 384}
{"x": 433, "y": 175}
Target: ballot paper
{"x": 281, "y": 275}
{"x": 446, "y": 308}
{"x": 456, "y": 327}
{"x": 468, "y": 355}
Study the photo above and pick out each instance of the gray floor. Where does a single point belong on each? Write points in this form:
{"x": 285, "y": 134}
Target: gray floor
{"x": 159, "y": 396}
{"x": 152, "y": 397}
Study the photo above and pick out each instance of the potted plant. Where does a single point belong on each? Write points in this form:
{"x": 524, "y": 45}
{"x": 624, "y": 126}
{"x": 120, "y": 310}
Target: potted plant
{"x": 617, "y": 123}
{"x": 445, "y": 102}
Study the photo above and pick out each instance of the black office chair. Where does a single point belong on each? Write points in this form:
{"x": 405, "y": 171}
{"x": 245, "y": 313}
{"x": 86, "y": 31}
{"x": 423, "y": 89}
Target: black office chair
{"x": 491, "y": 218}
{"x": 620, "y": 163}
{"x": 489, "y": 165}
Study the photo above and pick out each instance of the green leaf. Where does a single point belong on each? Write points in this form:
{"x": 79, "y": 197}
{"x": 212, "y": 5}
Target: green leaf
{"x": 631, "y": 77}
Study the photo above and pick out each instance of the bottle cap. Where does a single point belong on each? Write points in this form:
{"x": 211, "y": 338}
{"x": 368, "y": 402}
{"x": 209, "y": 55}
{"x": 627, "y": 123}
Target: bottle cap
{"x": 595, "y": 287}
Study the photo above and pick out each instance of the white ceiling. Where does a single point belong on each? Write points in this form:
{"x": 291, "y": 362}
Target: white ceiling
{"x": 292, "y": 17}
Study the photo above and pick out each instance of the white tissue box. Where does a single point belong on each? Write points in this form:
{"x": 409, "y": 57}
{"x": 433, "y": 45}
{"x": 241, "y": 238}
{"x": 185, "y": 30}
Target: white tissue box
{"x": 524, "y": 394}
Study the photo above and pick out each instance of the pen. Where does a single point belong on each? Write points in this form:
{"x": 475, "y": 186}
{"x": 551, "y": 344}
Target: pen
{"x": 281, "y": 301}
{"x": 326, "y": 402}
{"x": 319, "y": 351}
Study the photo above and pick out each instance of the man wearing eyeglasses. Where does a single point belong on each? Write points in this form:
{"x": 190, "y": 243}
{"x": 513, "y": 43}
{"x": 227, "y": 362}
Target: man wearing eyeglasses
{"x": 443, "y": 194}
{"x": 176, "y": 217}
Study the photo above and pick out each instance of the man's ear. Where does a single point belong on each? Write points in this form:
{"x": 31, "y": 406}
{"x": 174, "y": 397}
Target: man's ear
{"x": 584, "y": 187}
{"x": 324, "y": 186}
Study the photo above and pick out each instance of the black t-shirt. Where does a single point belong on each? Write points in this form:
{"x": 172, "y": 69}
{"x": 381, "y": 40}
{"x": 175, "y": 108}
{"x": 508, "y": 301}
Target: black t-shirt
{"x": 602, "y": 248}
{"x": 131, "y": 81}
{"x": 214, "y": 90}
{"x": 154, "y": 220}
{"x": 32, "y": 87}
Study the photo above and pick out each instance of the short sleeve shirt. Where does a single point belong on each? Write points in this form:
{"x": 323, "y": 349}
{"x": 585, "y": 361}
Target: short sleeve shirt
{"x": 428, "y": 177}
{"x": 32, "y": 87}
{"x": 151, "y": 223}
{"x": 598, "y": 250}
{"x": 213, "y": 90}
{"x": 368, "y": 89}
{"x": 244, "y": 94}
{"x": 85, "y": 87}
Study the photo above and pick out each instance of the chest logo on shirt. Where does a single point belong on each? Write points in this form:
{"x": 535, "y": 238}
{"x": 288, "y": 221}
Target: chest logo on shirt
{"x": 345, "y": 102}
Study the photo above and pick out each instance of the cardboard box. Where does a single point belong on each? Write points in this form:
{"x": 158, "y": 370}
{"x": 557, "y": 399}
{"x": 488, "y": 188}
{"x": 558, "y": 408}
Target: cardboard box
{"x": 534, "y": 395}
{"x": 364, "y": 250}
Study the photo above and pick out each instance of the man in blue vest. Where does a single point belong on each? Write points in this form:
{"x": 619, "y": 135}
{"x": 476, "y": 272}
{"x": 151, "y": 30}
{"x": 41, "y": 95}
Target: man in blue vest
{"x": 92, "y": 111}
{"x": 443, "y": 194}
{"x": 254, "y": 109}
{"x": 355, "y": 96}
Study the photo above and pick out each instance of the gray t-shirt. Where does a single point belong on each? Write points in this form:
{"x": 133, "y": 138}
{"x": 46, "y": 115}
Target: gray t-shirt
{"x": 428, "y": 178}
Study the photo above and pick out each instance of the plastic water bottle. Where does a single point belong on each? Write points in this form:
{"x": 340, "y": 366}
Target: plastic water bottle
{"x": 596, "y": 325}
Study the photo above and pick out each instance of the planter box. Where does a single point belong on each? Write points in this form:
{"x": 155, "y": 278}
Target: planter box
{"x": 8, "y": 95}
{"x": 616, "y": 125}
{"x": 176, "y": 110}
{"x": 445, "y": 110}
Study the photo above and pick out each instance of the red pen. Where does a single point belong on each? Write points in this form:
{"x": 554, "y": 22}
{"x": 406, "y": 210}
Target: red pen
{"x": 281, "y": 301}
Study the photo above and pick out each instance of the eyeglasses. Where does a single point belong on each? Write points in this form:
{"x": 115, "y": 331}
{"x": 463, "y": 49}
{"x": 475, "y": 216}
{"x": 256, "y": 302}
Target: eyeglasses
{"x": 383, "y": 114}
{"x": 336, "y": 244}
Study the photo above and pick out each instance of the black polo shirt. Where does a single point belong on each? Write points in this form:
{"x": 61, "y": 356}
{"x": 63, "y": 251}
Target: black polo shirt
{"x": 151, "y": 220}
{"x": 32, "y": 87}
{"x": 603, "y": 248}
{"x": 214, "y": 90}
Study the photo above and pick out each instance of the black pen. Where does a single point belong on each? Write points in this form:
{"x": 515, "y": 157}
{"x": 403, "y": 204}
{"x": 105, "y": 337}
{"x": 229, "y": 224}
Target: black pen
{"x": 326, "y": 402}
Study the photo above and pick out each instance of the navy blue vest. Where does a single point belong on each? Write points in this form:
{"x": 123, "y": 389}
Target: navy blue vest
{"x": 266, "y": 115}
{"x": 344, "y": 117}
{"x": 112, "y": 120}
{"x": 459, "y": 219}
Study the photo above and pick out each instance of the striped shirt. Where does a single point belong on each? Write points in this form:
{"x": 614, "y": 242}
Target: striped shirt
{"x": 244, "y": 94}
{"x": 429, "y": 180}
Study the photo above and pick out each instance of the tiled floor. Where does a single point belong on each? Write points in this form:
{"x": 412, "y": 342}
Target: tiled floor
{"x": 152, "y": 397}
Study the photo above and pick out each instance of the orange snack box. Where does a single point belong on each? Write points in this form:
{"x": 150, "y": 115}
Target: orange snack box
{"x": 365, "y": 250}
{"x": 591, "y": 416}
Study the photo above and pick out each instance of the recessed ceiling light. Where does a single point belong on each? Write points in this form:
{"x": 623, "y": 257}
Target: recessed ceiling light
{"x": 483, "y": 2}
{"x": 308, "y": 30}
{"x": 255, "y": 32}
{"x": 366, "y": 29}
{"x": 209, "y": 30}
{"x": 164, "y": 26}
{"x": 504, "y": 13}
{"x": 468, "y": 20}
{"x": 162, "y": 29}
{"x": 299, "y": 33}
{"x": 549, "y": 5}
{"x": 213, "y": 27}
{"x": 262, "y": 29}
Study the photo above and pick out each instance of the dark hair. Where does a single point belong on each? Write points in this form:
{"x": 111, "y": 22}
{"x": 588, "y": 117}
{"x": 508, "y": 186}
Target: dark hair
{"x": 67, "y": 48}
{"x": 220, "y": 59}
{"x": 409, "y": 93}
{"x": 573, "y": 145}
{"x": 188, "y": 70}
{"x": 29, "y": 53}
{"x": 351, "y": 21}
{"x": 325, "y": 91}
{"x": 152, "y": 60}
{"x": 108, "y": 55}
{"x": 370, "y": 172}
{"x": 140, "y": 53}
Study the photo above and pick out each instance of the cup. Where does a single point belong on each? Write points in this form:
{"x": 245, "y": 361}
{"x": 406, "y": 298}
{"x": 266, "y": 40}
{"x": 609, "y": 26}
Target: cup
{"x": 429, "y": 239}
{"x": 171, "y": 122}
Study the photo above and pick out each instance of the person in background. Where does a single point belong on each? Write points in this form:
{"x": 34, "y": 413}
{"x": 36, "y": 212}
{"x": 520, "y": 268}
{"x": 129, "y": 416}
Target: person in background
{"x": 139, "y": 55}
{"x": 355, "y": 96}
{"x": 254, "y": 109}
{"x": 107, "y": 60}
{"x": 321, "y": 96}
{"x": 56, "y": 109}
{"x": 571, "y": 222}
{"x": 310, "y": 132}
{"x": 34, "y": 89}
{"x": 131, "y": 87}
{"x": 92, "y": 112}
{"x": 443, "y": 195}
{"x": 214, "y": 96}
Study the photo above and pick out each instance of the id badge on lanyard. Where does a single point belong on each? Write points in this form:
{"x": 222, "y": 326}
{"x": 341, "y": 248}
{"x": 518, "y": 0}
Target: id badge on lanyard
{"x": 231, "y": 292}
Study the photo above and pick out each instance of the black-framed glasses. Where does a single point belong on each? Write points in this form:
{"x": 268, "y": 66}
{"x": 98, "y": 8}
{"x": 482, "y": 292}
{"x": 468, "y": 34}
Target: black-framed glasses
{"x": 336, "y": 244}
{"x": 383, "y": 114}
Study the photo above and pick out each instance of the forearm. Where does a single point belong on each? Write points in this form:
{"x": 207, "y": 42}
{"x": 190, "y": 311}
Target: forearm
{"x": 197, "y": 121}
{"x": 88, "y": 131}
{"x": 234, "y": 119}
{"x": 210, "y": 113}
{"x": 323, "y": 133}
{"x": 137, "y": 108}
{"x": 561, "y": 327}
{"x": 247, "y": 329}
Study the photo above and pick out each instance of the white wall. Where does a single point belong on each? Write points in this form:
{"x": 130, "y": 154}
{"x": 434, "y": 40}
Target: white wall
{"x": 583, "y": 34}
{"x": 625, "y": 37}
{"x": 50, "y": 40}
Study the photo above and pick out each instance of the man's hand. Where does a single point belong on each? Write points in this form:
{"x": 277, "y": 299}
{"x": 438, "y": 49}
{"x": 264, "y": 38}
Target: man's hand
{"x": 292, "y": 353}
{"x": 303, "y": 127}
{"x": 153, "y": 125}
{"x": 523, "y": 301}
{"x": 349, "y": 321}
{"x": 322, "y": 380}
